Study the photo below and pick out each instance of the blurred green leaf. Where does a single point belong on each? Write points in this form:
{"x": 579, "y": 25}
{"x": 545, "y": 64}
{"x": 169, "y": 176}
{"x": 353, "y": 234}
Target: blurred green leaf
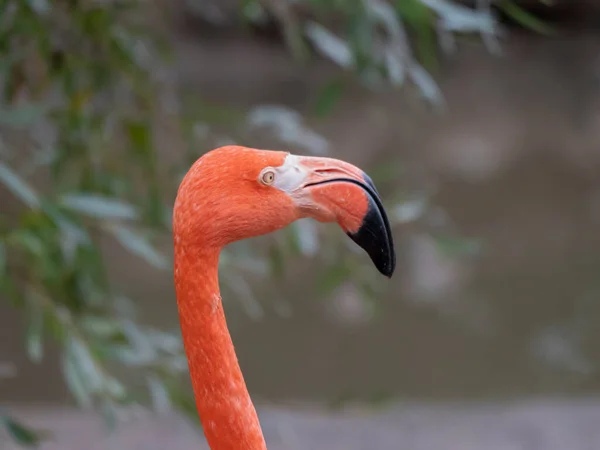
{"x": 421, "y": 20}
{"x": 18, "y": 186}
{"x": 160, "y": 396}
{"x": 101, "y": 327}
{"x": 138, "y": 245}
{"x": 35, "y": 331}
{"x": 39, "y": 6}
{"x": 114, "y": 388}
{"x": 109, "y": 412}
{"x": 302, "y": 237}
{"x": 413, "y": 11}
{"x": 85, "y": 365}
{"x": 28, "y": 241}
{"x": 99, "y": 207}
{"x": 20, "y": 433}
{"x": 330, "y": 45}
{"x": 427, "y": 85}
{"x": 526, "y": 19}
{"x": 75, "y": 381}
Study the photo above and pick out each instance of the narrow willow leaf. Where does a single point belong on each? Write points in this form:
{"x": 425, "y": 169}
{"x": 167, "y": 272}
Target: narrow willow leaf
{"x": 426, "y": 84}
{"x": 69, "y": 229}
{"x": 160, "y": 396}
{"x": 114, "y": 388}
{"x": 84, "y": 363}
{"x": 167, "y": 342}
{"x": 27, "y": 241}
{"x": 177, "y": 365}
{"x": 460, "y": 18}
{"x": 526, "y": 19}
{"x": 253, "y": 11}
{"x": 413, "y": 11}
{"x": 39, "y": 6}
{"x": 138, "y": 245}
{"x": 68, "y": 246}
{"x": 288, "y": 125}
{"x": 142, "y": 351}
{"x": 395, "y": 67}
{"x": 101, "y": 327}
{"x": 306, "y": 235}
{"x": 35, "y": 331}
{"x": 18, "y": 186}
{"x": 131, "y": 357}
{"x": 99, "y": 207}
{"x": 385, "y": 14}
{"x": 244, "y": 293}
{"x": 75, "y": 382}
{"x": 330, "y": 45}
{"x": 21, "y": 434}
{"x": 110, "y": 414}
{"x": 136, "y": 336}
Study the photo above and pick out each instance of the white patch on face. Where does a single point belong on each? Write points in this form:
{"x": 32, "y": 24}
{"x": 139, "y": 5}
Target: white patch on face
{"x": 290, "y": 176}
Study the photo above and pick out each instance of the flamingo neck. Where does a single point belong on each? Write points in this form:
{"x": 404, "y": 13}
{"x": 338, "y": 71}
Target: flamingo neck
{"x": 224, "y": 405}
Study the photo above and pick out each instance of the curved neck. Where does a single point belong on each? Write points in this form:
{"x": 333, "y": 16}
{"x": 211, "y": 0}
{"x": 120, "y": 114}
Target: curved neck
{"x": 224, "y": 405}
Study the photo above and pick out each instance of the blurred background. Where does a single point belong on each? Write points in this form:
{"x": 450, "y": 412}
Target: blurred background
{"x": 479, "y": 121}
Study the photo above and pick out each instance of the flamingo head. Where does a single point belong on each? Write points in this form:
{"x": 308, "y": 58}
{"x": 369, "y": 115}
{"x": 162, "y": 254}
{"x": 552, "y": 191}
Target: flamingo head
{"x": 233, "y": 193}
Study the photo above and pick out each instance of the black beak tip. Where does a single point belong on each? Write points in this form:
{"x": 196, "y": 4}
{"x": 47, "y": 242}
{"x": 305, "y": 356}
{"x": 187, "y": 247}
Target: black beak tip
{"x": 375, "y": 237}
{"x": 374, "y": 234}
{"x": 388, "y": 270}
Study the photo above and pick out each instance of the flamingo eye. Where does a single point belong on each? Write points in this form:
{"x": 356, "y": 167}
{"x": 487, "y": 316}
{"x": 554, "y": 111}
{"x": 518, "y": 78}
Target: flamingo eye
{"x": 268, "y": 177}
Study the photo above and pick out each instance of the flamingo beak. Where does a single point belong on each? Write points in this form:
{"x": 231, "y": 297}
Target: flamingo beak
{"x": 343, "y": 193}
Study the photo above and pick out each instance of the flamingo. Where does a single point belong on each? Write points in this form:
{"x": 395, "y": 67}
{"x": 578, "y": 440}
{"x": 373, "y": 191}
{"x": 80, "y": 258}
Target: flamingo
{"x": 233, "y": 193}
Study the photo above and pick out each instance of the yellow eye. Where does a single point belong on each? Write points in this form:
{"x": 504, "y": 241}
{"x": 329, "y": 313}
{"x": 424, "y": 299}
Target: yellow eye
{"x": 268, "y": 177}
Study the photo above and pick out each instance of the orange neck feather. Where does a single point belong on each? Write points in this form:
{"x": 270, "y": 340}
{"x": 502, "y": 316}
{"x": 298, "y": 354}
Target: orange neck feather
{"x": 224, "y": 405}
